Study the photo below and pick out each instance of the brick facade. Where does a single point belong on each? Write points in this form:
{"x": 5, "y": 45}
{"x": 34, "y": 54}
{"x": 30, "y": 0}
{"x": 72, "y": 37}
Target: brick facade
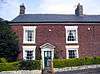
{"x": 88, "y": 39}
{"x": 19, "y": 32}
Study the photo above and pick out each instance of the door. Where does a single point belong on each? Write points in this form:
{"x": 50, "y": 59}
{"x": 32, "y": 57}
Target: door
{"x": 47, "y": 57}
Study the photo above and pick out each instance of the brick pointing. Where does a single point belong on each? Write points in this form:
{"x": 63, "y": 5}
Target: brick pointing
{"x": 19, "y": 32}
{"x": 56, "y": 37}
{"x": 88, "y": 40}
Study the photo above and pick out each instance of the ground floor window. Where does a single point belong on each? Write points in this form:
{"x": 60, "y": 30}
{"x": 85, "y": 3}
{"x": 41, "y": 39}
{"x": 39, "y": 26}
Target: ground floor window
{"x": 29, "y": 52}
{"x": 29, "y": 55}
{"x": 72, "y": 51}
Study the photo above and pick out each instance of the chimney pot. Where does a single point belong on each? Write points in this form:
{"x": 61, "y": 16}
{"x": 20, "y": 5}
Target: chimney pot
{"x": 22, "y": 9}
{"x": 79, "y": 10}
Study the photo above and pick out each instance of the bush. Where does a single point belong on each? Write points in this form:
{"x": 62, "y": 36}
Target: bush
{"x": 36, "y": 64}
{"x": 96, "y": 60}
{"x": 30, "y": 65}
{"x": 59, "y": 63}
{"x": 9, "y": 66}
{"x": 3, "y": 60}
{"x": 22, "y": 65}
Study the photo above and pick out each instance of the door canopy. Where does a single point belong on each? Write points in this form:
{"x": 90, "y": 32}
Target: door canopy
{"x": 47, "y": 45}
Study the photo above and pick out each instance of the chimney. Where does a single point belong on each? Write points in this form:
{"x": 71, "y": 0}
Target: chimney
{"x": 79, "y": 10}
{"x": 22, "y": 9}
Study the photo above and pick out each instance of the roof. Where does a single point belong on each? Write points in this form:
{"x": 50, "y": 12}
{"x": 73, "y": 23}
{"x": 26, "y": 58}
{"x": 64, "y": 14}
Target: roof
{"x": 38, "y": 18}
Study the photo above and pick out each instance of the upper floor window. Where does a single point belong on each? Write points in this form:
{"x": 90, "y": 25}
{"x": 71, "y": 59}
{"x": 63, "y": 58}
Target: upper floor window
{"x": 71, "y": 34}
{"x": 29, "y": 34}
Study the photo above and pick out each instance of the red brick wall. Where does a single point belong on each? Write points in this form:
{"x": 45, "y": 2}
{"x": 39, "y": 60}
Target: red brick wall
{"x": 96, "y": 39}
{"x": 56, "y": 37}
{"x": 89, "y": 40}
{"x": 19, "y": 32}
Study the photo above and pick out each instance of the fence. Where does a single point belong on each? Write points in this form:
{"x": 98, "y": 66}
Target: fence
{"x": 22, "y": 72}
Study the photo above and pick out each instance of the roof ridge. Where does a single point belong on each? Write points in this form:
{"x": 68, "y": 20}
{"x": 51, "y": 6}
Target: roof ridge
{"x": 55, "y": 18}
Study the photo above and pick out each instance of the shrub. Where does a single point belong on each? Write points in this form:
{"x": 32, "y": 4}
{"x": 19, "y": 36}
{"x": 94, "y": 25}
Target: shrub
{"x": 3, "y": 60}
{"x": 30, "y": 65}
{"x": 9, "y": 66}
{"x": 36, "y": 64}
{"x": 22, "y": 65}
{"x": 59, "y": 63}
{"x": 96, "y": 60}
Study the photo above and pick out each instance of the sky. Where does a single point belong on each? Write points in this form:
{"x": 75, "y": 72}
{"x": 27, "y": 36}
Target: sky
{"x": 9, "y": 9}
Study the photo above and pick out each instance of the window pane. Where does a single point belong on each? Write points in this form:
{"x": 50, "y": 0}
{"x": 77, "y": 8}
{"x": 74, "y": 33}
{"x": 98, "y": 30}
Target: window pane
{"x": 29, "y": 55}
{"x": 29, "y": 35}
{"x": 45, "y": 53}
{"x": 72, "y": 53}
{"x": 49, "y": 53}
{"x": 71, "y": 35}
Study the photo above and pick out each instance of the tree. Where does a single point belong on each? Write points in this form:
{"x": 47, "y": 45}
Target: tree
{"x": 8, "y": 42}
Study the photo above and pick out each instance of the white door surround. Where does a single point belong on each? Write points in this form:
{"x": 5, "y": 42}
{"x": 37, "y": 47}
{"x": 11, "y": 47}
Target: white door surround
{"x": 46, "y": 47}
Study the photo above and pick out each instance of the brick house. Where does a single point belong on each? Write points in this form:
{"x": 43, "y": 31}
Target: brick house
{"x": 49, "y": 36}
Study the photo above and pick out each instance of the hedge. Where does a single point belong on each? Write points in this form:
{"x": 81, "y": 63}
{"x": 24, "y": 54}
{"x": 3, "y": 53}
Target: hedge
{"x": 3, "y": 60}
{"x": 9, "y": 66}
{"x": 30, "y": 65}
{"x": 20, "y": 65}
{"x": 60, "y": 63}
{"x": 57, "y": 63}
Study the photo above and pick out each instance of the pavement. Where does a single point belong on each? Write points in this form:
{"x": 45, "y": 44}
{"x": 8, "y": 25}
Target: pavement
{"x": 85, "y": 71}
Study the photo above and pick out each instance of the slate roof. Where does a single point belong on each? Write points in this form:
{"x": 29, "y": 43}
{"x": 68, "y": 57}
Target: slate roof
{"x": 39, "y": 18}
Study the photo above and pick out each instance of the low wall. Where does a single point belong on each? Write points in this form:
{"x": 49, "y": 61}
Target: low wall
{"x": 76, "y": 68}
{"x": 55, "y": 70}
{"x": 22, "y": 72}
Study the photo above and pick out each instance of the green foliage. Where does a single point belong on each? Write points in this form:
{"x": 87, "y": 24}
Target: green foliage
{"x": 3, "y": 60}
{"x": 59, "y": 63}
{"x": 9, "y": 66}
{"x": 96, "y": 60}
{"x": 8, "y": 42}
{"x": 30, "y": 65}
{"x": 22, "y": 65}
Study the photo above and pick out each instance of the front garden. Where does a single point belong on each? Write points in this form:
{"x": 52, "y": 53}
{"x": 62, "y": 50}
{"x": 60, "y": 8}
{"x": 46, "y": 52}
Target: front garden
{"x": 57, "y": 63}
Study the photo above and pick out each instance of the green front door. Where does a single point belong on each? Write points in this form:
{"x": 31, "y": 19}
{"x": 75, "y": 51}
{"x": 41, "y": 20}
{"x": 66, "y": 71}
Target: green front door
{"x": 47, "y": 56}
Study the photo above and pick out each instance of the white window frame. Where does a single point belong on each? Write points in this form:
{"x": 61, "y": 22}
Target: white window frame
{"x": 24, "y": 34}
{"x": 72, "y": 47}
{"x": 71, "y": 28}
{"x": 28, "y": 48}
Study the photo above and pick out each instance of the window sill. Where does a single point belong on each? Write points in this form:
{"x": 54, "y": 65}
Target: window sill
{"x": 71, "y": 42}
{"x": 27, "y": 42}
